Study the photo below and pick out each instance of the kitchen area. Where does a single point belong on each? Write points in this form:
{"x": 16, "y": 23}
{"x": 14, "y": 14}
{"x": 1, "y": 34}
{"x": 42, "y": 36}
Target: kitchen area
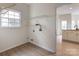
{"x": 67, "y": 26}
{"x": 70, "y": 27}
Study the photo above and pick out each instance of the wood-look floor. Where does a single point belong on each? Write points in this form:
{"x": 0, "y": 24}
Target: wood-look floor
{"x": 66, "y": 48}
{"x": 27, "y": 49}
{"x": 70, "y": 48}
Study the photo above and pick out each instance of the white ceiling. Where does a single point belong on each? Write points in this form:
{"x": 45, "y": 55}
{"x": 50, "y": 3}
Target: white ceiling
{"x": 61, "y": 4}
{"x": 68, "y": 9}
{"x": 55, "y": 4}
{"x": 5, "y": 5}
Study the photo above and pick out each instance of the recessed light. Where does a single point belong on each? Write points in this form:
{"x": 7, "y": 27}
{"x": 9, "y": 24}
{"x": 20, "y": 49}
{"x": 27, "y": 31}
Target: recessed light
{"x": 70, "y": 8}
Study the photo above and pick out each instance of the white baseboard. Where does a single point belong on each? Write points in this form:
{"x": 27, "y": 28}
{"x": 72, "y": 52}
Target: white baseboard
{"x": 32, "y": 43}
{"x": 50, "y": 50}
{"x": 12, "y": 47}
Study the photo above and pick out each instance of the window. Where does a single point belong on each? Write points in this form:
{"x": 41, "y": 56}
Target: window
{"x": 64, "y": 25}
{"x": 78, "y": 23}
{"x": 10, "y": 18}
{"x": 73, "y": 24}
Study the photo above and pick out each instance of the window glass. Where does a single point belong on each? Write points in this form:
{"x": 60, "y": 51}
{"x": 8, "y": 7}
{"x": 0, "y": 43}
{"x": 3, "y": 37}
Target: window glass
{"x": 73, "y": 24}
{"x": 17, "y": 17}
{"x": 17, "y": 14}
{"x": 64, "y": 25}
{"x": 10, "y": 18}
{"x": 4, "y": 20}
{"x": 4, "y": 24}
{"x": 11, "y": 12}
{"x": 4, "y": 15}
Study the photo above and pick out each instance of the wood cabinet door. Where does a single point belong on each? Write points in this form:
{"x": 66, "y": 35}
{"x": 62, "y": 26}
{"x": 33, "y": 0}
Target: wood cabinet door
{"x": 77, "y": 35}
{"x": 65, "y": 35}
{"x": 72, "y": 36}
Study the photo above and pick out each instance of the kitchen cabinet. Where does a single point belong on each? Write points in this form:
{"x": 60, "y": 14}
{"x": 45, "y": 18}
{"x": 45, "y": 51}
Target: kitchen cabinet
{"x": 71, "y": 35}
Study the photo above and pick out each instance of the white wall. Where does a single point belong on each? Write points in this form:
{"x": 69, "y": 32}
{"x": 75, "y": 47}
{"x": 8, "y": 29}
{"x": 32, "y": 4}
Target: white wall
{"x": 75, "y": 17}
{"x": 11, "y": 37}
{"x": 44, "y": 14}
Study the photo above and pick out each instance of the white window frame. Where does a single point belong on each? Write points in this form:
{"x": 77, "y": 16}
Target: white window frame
{"x": 12, "y": 26}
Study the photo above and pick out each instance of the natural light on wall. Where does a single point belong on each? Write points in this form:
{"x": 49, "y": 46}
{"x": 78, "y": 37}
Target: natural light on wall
{"x": 64, "y": 25}
{"x": 10, "y": 18}
{"x": 73, "y": 24}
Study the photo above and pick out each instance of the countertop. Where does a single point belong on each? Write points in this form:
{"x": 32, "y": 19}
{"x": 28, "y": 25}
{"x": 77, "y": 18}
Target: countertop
{"x": 70, "y": 30}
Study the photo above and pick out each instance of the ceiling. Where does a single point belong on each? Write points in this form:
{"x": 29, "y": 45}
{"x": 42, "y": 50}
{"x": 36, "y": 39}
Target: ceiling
{"x": 68, "y": 9}
{"x": 5, "y": 5}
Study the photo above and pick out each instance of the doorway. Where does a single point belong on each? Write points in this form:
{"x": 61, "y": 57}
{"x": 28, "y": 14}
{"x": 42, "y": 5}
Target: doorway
{"x": 67, "y": 27}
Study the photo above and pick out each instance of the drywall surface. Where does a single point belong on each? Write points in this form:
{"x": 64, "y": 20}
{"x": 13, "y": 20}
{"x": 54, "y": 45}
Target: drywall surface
{"x": 12, "y": 37}
{"x": 44, "y": 14}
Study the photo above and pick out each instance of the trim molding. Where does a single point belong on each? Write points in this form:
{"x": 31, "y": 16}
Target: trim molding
{"x": 50, "y": 50}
